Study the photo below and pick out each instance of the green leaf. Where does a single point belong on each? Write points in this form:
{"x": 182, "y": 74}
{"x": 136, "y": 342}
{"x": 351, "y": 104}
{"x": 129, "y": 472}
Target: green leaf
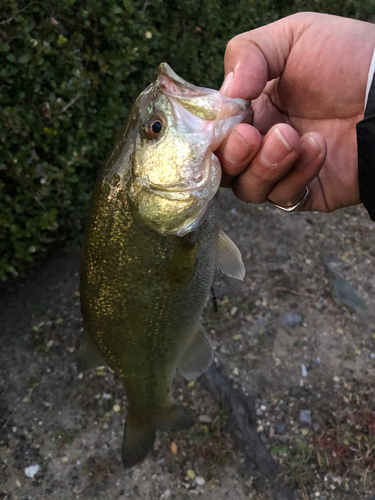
{"x": 61, "y": 40}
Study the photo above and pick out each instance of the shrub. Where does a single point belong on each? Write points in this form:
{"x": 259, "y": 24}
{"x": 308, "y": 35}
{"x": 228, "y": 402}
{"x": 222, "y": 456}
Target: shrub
{"x": 70, "y": 72}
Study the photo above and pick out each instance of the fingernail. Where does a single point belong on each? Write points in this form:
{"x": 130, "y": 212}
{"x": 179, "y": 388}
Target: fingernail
{"x": 227, "y": 83}
{"x": 275, "y": 149}
{"x": 314, "y": 143}
{"x": 236, "y": 148}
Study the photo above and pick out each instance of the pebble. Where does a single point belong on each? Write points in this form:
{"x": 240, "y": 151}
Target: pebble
{"x": 206, "y": 419}
{"x": 280, "y": 429}
{"x": 32, "y": 470}
{"x": 305, "y": 416}
{"x": 233, "y": 310}
{"x": 167, "y": 493}
{"x": 116, "y": 408}
{"x": 291, "y": 319}
{"x": 190, "y": 474}
{"x": 346, "y": 294}
{"x": 304, "y": 371}
{"x": 200, "y": 481}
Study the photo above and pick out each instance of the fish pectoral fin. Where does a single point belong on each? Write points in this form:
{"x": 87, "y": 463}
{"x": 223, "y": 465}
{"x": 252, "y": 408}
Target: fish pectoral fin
{"x": 138, "y": 441}
{"x": 89, "y": 356}
{"x": 228, "y": 257}
{"x": 198, "y": 356}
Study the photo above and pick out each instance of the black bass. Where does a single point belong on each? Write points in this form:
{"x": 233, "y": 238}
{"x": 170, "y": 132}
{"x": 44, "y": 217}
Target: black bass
{"x": 149, "y": 252}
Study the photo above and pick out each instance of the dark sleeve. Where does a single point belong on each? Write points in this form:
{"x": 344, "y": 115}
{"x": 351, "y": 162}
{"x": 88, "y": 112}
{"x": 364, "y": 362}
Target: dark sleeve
{"x": 366, "y": 154}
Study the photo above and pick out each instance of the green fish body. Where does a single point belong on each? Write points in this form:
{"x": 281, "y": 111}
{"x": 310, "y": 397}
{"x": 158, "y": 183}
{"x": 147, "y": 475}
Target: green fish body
{"x": 149, "y": 252}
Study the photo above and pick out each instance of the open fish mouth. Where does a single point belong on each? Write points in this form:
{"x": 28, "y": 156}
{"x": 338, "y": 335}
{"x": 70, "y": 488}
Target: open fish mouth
{"x": 205, "y": 103}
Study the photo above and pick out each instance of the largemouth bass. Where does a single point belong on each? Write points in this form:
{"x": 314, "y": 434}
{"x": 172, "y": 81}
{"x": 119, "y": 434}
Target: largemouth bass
{"x": 149, "y": 251}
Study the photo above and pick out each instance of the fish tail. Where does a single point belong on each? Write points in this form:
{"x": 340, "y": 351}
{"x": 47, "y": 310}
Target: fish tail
{"x": 139, "y": 437}
{"x": 138, "y": 441}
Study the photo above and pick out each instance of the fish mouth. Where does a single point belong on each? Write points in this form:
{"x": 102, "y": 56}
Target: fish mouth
{"x": 205, "y": 103}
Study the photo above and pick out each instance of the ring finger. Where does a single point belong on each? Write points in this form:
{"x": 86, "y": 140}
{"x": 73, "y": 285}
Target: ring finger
{"x": 292, "y": 187}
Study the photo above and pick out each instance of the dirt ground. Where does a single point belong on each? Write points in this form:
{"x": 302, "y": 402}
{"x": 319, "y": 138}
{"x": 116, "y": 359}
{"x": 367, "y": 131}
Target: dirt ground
{"x": 298, "y": 335}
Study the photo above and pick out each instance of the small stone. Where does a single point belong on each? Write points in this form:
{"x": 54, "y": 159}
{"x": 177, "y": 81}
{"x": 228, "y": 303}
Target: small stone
{"x": 206, "y": 419}
{"x": 316, "y": 426}
{"x": 305, "y": 416}
{"x": 336, "y": 379}
{"x": 18, "y": 483}
{"x": 106, "y": 396}
{"x": 167, "y": 493}
{"x": 64, "y": 459}
{"x": 291, "y": 319}
{"x": 174, "y": 448}
{"x": 116, "y": 408}
{"x": 280, "y": 429}
{"x": 32, "y": 470}
{"x": 304, "y": 371}
{"x": 200, "y": 481}
{"x": 190, "y": 474}
{"x": 233, "y": 310}
{"x": 148, "y": 35}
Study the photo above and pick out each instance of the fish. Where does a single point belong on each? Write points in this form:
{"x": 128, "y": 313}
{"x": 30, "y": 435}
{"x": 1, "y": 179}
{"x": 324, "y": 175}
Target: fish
{"x": 151, "y": 243}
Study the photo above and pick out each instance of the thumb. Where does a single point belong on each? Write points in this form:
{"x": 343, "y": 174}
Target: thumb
{"x": 255, "y": 57}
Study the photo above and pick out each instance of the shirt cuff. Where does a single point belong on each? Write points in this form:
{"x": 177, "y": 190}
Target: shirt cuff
{"x": 366, "y": 147}
{"x": 370, "y": 77}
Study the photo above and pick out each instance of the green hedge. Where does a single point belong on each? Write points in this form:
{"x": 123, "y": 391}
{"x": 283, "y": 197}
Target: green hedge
{"x": 70, "y": 71}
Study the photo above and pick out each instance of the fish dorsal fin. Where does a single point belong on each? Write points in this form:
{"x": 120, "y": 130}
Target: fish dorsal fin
{"x": 89, "y": 356}
{"x": 228, "y": 257}
{"x": 198, "y": 356}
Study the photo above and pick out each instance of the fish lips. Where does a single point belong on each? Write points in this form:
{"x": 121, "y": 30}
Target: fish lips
{"x": 206, "y": 104}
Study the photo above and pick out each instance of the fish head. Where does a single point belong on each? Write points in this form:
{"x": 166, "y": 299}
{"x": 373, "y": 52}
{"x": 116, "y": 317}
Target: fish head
{"x": 174, "y": 173}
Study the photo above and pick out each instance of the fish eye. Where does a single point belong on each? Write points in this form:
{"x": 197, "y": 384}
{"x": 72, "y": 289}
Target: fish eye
{"x": 154, "y": 128}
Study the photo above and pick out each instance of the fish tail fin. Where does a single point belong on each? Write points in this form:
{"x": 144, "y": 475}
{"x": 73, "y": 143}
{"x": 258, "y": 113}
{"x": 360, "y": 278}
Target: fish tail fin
{"x": 139, "y": 437}
{"x": 138, "y": 441}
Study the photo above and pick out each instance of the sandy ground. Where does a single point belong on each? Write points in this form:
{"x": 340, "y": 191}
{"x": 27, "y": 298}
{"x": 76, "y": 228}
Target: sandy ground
{"x": 298, "y": 335}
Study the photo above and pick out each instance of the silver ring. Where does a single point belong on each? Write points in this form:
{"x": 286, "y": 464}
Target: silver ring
{"x": 293, "y": 208}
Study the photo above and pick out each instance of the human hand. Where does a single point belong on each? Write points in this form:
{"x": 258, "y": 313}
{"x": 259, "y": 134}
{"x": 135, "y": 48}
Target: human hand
{"x": 317, "y": 67}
